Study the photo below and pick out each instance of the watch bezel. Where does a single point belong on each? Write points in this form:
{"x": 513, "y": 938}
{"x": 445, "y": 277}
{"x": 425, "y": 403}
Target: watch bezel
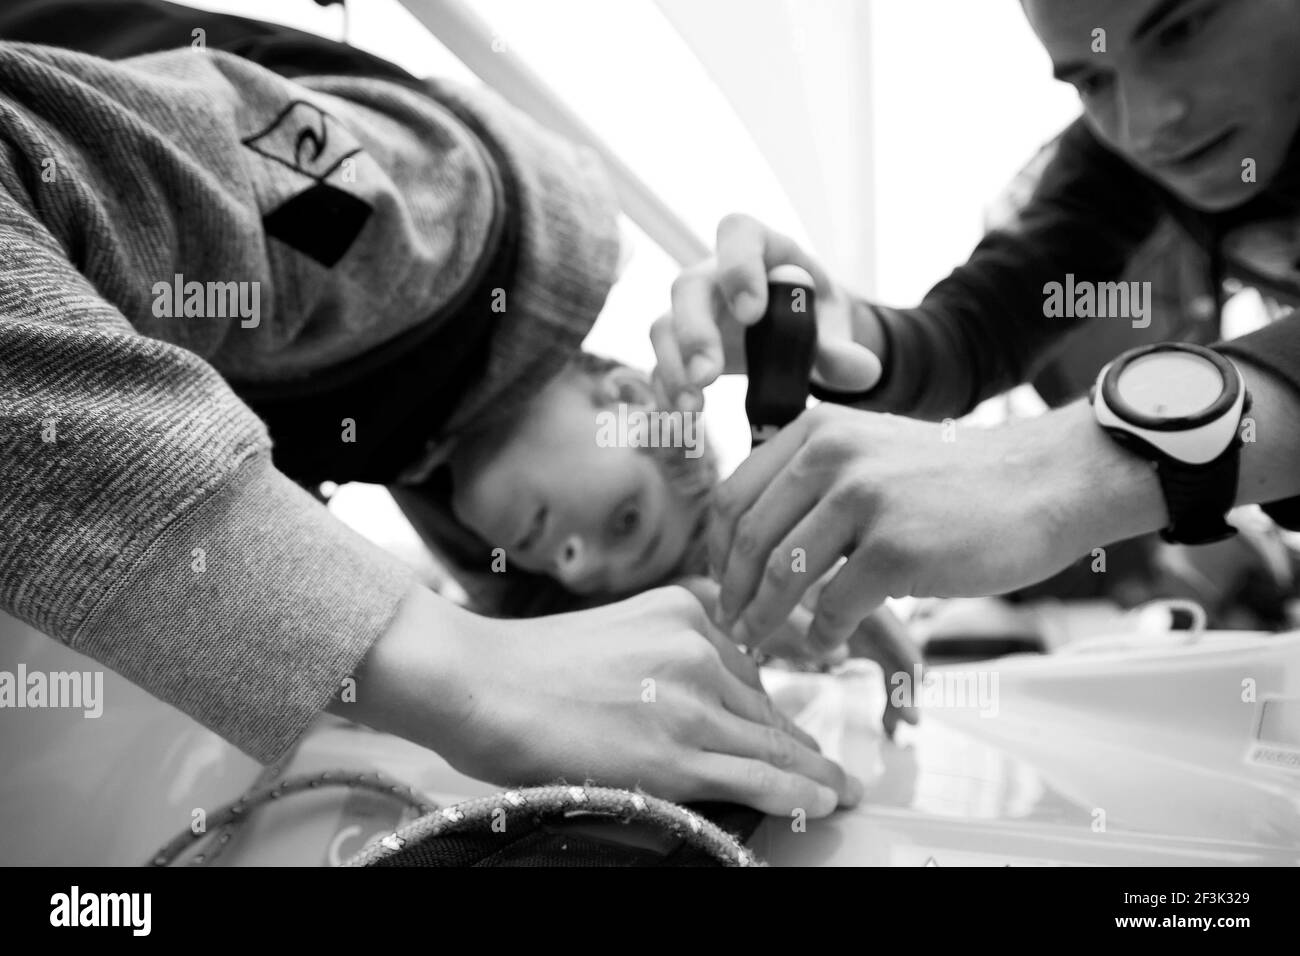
{"x": 1213, "y": 412}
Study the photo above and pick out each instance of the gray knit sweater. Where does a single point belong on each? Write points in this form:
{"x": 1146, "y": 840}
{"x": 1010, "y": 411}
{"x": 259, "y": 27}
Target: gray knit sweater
{"x": 141, "y": 520}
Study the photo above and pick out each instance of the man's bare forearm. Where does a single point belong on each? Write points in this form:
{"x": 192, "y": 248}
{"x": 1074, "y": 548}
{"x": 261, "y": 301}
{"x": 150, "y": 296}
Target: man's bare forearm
{"x": 1109, "y": 494}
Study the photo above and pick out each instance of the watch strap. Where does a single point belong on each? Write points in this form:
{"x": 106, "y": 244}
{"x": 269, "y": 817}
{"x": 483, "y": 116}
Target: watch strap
{"x": 1199, "y": 497}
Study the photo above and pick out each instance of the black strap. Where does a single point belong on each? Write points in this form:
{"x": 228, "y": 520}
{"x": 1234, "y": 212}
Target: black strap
{"x": 1200, "y": 496}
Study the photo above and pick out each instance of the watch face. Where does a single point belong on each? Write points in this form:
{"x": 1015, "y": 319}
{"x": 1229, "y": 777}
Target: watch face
{"x": 1169, "y": 385}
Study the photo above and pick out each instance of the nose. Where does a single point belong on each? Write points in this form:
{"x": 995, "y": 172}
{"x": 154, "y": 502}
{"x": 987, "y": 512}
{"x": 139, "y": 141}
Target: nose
{"x": 1150, "y": 113}
{"x": 575, "y": 559}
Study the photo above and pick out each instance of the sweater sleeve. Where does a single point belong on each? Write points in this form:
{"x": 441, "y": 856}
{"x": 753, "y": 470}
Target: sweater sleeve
{"x": 983, "y": 328}
{"x": 143, "y": 525}
{"x": 1276, "y": 348}
{"x": 141, "y": 520}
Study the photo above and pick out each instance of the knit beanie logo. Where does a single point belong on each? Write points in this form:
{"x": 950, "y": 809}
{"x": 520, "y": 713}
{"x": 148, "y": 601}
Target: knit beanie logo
{"x": 323, "y": 221}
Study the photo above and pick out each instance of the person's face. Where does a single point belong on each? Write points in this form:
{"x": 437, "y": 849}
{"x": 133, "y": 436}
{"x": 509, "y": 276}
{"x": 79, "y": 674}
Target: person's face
{"x": 1186, "y": 90}
{"x": 600, "y": 520}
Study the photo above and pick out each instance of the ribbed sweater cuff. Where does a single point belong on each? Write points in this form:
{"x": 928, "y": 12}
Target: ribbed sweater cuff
{"x": 286, "y": 604}
{"x": 568, "y": 255}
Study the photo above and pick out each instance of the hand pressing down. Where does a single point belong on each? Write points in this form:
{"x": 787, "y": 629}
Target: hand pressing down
{"x": 644, "y": 693}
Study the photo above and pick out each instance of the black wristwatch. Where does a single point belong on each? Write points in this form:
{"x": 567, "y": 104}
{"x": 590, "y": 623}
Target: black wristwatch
{"x": 1180, "y": 406}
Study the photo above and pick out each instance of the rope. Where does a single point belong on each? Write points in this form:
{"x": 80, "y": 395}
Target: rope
{"x": 624, "y": 805}
{"x": 226, "y": 832}
{"x": 236, "y": 811}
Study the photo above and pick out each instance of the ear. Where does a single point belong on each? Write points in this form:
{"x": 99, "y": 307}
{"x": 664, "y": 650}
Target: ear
{"x": 627, "y": 386}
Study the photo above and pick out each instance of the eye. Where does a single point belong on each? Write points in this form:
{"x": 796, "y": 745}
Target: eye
{"x": 1180, "y": 31}
{"x": 1092, "y": 84}
{"x": 626, "y": 520}
{"x": 534, "y": 530}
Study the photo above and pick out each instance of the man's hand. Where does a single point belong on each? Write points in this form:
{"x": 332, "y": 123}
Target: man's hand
{"x": 918, "y": 509}
{"x": 644, "y": 693}
{"x": 880, "y": 637}
{"x": 702, "y": 336}
{"x": 789, "y": 641}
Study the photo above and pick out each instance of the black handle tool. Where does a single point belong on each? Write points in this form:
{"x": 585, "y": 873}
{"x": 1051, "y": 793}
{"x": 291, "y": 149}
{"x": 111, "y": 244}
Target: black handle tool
{"x": 779, "y": 352}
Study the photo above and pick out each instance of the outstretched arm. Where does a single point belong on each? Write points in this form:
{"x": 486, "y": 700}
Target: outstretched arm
{"x": 978, "y": 332}
{"x": 974, "y": 512}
